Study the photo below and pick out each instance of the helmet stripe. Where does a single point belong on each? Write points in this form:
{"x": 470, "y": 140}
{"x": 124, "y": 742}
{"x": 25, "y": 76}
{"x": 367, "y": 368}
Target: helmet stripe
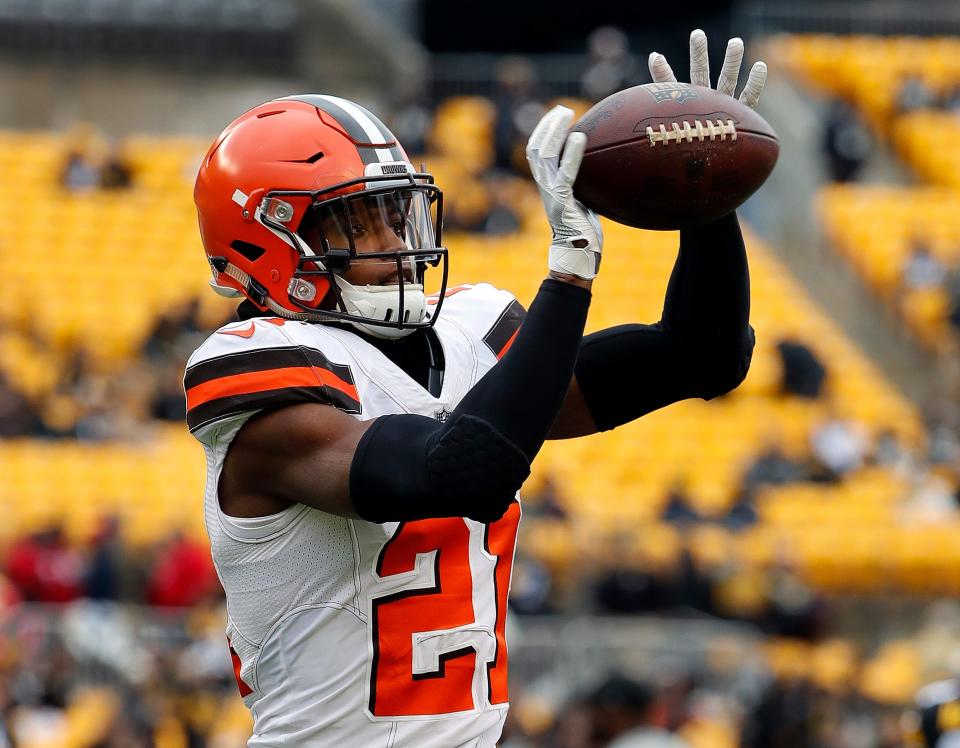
{"x": 376, "y": 132}
{"x": 360, "y": 124}
{"x": 353, "y": 128}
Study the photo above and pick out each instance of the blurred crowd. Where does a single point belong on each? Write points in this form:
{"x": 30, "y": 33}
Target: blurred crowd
{"x": 476, "y": 143}
{"x": 45, "y": 567}
{"x": 848, "y": 142}
{"x": 92, "y": 404}
{"x": 95, "y": 674}
{"x": 848, "y": 145}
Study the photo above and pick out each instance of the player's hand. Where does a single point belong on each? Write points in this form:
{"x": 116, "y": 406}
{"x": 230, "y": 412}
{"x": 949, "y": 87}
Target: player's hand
{"x": 577, "y": 236}
{"x": 700, "y": 69}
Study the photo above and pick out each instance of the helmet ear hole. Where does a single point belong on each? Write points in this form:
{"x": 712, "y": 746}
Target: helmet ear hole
{"x": 251, "y": 251}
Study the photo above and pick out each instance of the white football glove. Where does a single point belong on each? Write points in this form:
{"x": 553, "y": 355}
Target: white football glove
{"x": 700, "y": 69}
{"x": 577, "y": 236}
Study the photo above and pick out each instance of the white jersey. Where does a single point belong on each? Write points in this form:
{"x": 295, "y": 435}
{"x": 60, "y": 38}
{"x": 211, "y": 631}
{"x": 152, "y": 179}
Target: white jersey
{"x": 343, "y": 632}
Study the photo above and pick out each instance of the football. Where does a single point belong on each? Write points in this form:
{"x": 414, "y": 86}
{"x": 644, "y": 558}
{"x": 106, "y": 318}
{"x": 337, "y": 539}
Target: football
{"x": 672, "y": 155}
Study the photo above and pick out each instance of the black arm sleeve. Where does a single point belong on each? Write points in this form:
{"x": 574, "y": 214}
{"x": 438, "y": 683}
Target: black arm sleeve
{"x": 700, "y": 348}
{"x": 411, "y": 467}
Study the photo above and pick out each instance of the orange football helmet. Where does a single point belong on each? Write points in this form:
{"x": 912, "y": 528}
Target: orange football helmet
{"x": 327, "y": 164}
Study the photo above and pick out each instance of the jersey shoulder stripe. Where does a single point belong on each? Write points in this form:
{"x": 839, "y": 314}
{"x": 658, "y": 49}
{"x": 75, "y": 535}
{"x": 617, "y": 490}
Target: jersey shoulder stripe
{"x": 501, "y": 335}
{"x": 266, "y": 378}
{"x": 491, "y": 314}
{"x": 262, "y": 359}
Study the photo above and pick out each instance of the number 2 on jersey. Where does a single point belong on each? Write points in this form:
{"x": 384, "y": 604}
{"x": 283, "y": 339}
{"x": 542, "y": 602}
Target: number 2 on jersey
{"x": 429, "y": 640}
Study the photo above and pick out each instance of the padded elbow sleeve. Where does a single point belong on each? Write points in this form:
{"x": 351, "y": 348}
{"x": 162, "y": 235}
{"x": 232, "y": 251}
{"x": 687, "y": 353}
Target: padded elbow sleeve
{"x": 726, "y": 370}
{"x": 408, "y": 467}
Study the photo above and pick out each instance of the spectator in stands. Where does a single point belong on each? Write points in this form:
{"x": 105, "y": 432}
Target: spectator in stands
{"x": 943, "y": 446}
{"x": 838, "y": 446}
{"x": 18, "y": 416}
{"x": 106, "y": 559}
{"x": 803, "y": 372}
{"x": 678, "y": 509}
{"x": 168, "y": 403}
{"x": 114, "y": 407}
{"x": 795, "y": 609}
{"x": 690, "y": 585}
{"x": 546, "y": 503}
{"x": 742, "y": 513}
{"x": 889, "y": 452}
{"x": 45, "y": 568}
{"x": 781, "y": 717}
{"x": 611, "y": 68}
{"x": 624, "y": 715}
{"x": 174, "y": 334}
{"x": 161, "y": 340}
{"x": 952, "y": 286}
{"x": 502, "y": 217}
{"x": 90, "y": 406}
{"x": 951, "y": 100}
{"x": 625, "y": 587}
{"x": 182, "y": 574}
{"x": 78, "y": 173}
{"x": 923, "y": 270}
{"x": 914, "y": 94}
{"x": 116, "y": 172}
{"x": 518, "y": 111}
{"x": 847, "y": 142}
{"x": 531, "y": 587}
{"x": 773, "y": 467}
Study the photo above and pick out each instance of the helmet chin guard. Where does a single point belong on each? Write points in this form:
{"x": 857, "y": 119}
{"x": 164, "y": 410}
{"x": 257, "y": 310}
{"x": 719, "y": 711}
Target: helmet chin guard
{"x": 385, "y": 303}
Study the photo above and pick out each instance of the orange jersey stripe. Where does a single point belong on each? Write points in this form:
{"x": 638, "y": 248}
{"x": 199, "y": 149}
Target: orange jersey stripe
{"x": 268, "y": 379}
{"x": 506, "y": 346}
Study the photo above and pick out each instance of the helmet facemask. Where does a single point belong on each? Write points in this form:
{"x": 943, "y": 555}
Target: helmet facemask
{"x": 385, "y": 237}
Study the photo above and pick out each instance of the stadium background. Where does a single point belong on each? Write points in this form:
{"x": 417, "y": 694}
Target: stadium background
{"x": 774, "y": 568}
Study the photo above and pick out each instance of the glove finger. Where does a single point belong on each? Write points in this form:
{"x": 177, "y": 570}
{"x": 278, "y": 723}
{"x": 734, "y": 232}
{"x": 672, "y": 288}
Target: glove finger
{"x": 660, "y": 69}
{"x": 699, "y": 59}
{"x": 535, "y": 145}
{"x": 556, "y": 134}
{"x": 727, "y": 82}
{"x": 755, "y": 81}
{"x": 535, "y": 140}
{"x": 572, "y": 156}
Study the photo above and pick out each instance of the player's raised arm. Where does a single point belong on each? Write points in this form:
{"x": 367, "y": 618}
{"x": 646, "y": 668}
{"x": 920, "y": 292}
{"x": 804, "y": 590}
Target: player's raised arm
{"x": 408, "y": 467}
{"x": 703, "y": 343}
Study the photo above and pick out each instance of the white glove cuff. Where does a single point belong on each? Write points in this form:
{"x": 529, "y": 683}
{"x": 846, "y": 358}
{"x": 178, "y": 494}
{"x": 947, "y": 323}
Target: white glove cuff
{"x": 582, "y": 263}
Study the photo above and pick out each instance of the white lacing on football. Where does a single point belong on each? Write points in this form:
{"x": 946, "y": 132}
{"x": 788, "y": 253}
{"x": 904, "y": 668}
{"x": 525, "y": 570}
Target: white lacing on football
{"x": 680, "y": 132}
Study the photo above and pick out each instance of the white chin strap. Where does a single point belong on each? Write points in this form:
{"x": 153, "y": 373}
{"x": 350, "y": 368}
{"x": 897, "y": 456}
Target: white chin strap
{"x": 383, "y": 303}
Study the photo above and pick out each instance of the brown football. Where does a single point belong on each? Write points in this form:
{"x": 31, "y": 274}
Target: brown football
{"x": 672, "y": 155}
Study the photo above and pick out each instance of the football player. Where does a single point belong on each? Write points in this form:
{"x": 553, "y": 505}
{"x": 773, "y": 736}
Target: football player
{"x": 365, "y": 442}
